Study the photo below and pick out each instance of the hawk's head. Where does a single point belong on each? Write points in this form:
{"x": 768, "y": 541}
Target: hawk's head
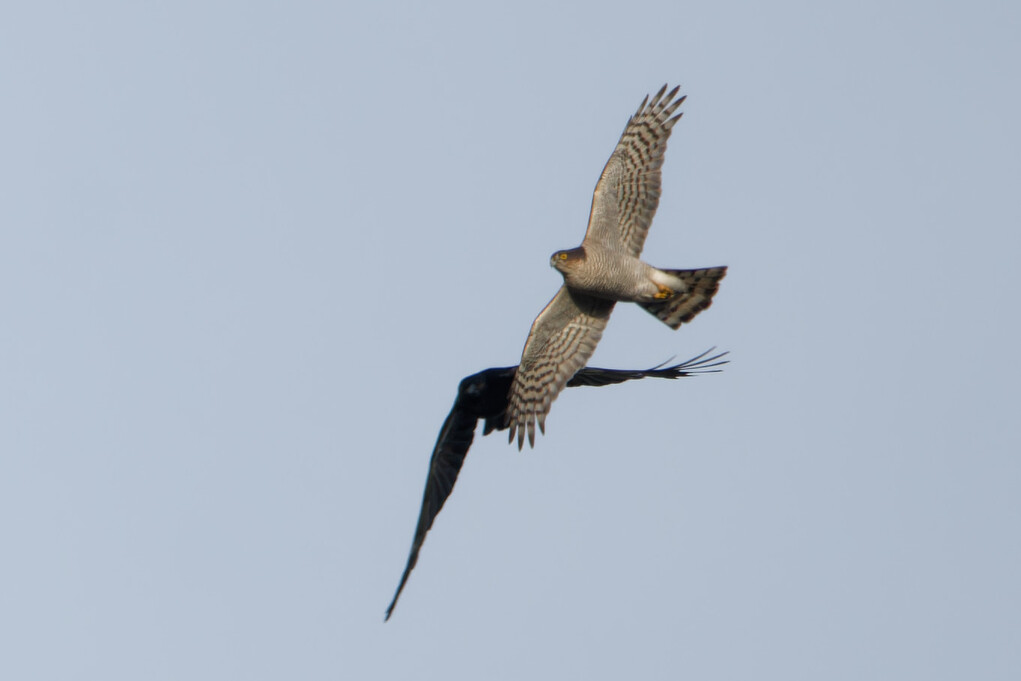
{"x": 567, "y": 260}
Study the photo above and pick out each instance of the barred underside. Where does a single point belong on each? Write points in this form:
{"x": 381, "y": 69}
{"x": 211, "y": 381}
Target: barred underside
{"x": 700, "y": 287}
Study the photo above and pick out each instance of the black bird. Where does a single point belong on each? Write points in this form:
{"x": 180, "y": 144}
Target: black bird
{"x": 485, "y": 396}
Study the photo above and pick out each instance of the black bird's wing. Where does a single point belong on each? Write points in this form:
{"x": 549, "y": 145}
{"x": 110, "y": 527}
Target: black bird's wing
{"x": 455, "y": 438}
{"x": 485, "y": 396}
{"x": 477, "y": 396}
{"x": 700, "y": 364}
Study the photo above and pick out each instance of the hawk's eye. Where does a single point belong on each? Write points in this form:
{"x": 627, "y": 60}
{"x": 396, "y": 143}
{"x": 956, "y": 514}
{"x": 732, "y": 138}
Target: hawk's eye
{"x": 563, "y": 256}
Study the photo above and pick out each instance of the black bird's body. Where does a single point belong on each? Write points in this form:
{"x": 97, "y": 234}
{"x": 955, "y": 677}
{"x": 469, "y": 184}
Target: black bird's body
{"x": 484, "y": 396}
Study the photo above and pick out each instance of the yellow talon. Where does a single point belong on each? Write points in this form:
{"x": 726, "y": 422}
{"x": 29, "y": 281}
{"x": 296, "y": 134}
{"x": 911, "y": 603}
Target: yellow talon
{"x": 664, "y": 293}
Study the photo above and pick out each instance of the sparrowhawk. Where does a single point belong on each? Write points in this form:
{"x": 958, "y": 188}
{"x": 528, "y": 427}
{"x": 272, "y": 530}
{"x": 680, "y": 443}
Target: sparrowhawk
{"x": 606, "y": 269}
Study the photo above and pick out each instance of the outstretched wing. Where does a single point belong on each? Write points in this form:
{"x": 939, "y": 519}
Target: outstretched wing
{"x": 562, "y": 339}
{"x": 700, "y": 364}
{"x": 627, "y": 194}
{"x": 452, "y": 445}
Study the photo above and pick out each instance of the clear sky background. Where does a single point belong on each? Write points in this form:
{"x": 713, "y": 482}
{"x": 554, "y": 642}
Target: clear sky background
{"x": 248, "y": 250}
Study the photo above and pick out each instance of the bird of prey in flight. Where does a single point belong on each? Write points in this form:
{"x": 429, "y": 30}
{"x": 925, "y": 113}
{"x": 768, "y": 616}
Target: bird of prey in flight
{"x": 606, "y": 269}
{"x": 485, "y": 396}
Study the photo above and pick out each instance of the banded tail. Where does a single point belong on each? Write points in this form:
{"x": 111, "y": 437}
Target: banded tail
{"x": 699, "y": 288}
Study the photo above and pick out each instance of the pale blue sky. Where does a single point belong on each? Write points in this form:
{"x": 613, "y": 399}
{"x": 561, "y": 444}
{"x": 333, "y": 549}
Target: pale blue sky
{"x": 248, "y": 250}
